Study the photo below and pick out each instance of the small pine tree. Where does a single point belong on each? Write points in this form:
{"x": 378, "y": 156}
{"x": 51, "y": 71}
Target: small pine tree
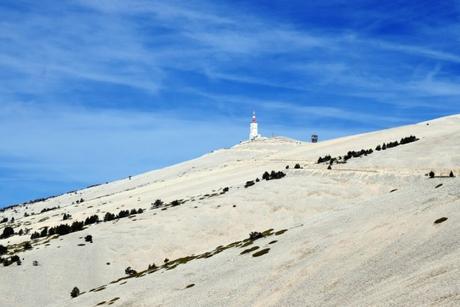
{"x": 3, "y": 249}
{"x": 44, "y": 232}
{"x": 75, "y": 292}
{"x": 266, "y": 176}
{"x": 451, "y": 175}
{"x": 255, "y": 235}
{"x": 7, "y": 232}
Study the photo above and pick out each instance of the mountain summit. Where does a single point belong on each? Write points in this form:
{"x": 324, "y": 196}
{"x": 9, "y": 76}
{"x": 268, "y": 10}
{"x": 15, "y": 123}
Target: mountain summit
{"x": 369, "y": 219}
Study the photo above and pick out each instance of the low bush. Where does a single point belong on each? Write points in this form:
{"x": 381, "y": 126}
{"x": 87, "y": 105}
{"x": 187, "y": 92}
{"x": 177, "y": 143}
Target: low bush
{"x": 109, "y": 217}
{"x": 92, "y": 220}
{"x": 9, "y": 261}
{"x": 158, "y": 203}
{"x": 273, "y": 175}
{"x": 89, "y": 238}
{"x": 77, "y": 226}
{"x": 249, "y": 184}
{"x": 266, "y": 176}
{"x": 3, "y": 249}
{"x": 130, "y": 271}
{"x": 122, "y": 214}
{"x": 49, "y": 209}
{"x": 34, "y": 235}
{"x": 277, "y": 175}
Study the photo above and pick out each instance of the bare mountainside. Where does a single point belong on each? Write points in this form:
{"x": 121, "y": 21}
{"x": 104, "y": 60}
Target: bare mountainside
{"x": 371, "y": 229}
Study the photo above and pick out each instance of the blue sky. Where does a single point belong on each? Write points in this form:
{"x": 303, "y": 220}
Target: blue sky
{"x": 92, "y": 91}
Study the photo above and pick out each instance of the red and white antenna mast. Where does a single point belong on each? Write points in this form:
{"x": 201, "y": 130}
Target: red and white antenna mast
{"x": 253, "y": 129}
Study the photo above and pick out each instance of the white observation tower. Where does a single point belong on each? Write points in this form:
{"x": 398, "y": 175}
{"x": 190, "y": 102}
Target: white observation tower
{"x": 253, "y": 130}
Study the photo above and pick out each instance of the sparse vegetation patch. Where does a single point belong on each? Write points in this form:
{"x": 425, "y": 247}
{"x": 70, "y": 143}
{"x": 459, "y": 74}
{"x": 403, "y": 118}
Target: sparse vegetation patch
{"x": 249, "y": 250}
{"x": 261, "y": 252}
{"x": 364, "y": 152}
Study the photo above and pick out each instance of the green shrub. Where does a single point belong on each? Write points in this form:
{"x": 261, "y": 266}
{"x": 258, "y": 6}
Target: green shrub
{"x": 75, "y": 292}
{"x": 3, "y": 249}
{"x": 7, "y": 232}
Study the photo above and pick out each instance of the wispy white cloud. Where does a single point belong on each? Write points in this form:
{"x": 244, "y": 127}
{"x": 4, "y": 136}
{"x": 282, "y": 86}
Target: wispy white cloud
{"x": 157, "y": 62}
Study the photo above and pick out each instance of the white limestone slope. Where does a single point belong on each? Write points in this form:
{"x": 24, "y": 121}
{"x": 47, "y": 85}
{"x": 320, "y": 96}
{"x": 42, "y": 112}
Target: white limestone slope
{"x": 349, "y": 240}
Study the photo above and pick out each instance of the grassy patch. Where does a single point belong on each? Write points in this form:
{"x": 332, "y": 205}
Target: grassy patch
{"x": 113, "y": 300}
{"x": 261, "y": 252}
{"x": 98, "y": 289}
{"x": 280, "y": 232}
{"x": 246, "y": 251}
{"x": 247, "y": 243}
